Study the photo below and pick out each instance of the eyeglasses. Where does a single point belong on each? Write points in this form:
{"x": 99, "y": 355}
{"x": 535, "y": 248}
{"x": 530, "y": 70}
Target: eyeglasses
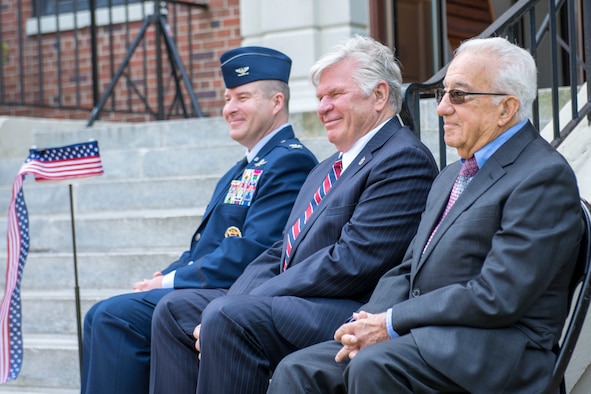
{"x": 459, "y": 96}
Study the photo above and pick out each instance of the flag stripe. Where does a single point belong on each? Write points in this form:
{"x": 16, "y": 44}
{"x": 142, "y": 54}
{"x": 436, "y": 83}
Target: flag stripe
{"x": 64, "y": 169}
{"x": 73, "y": 161}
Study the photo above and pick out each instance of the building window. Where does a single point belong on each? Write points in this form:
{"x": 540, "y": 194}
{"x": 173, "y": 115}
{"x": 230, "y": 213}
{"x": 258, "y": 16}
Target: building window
{"x": 52, "y": 7}
{"x": 105, "y": 15}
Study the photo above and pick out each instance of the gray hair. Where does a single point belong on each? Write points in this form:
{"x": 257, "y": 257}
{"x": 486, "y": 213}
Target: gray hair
{"x": 515, "y": 69}
{"x": 375, "y": 63}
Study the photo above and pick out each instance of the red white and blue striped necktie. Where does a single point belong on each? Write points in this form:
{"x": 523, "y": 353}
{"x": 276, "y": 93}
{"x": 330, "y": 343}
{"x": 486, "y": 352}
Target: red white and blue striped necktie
{"x": 322, "y": 191}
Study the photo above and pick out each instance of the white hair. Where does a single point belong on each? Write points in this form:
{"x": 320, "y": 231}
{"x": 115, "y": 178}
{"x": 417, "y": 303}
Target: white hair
{"x": 375, "y": 63}
{"x": 515, "y": 72}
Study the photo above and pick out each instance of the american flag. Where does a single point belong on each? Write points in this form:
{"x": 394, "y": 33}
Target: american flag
{"x": 67, "y": 162}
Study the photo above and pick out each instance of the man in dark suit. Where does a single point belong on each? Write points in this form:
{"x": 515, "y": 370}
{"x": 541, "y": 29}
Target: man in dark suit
{"x": 298, "y": 292}
{"x": 245, "y": 216}
{"x": 481, "y": 296}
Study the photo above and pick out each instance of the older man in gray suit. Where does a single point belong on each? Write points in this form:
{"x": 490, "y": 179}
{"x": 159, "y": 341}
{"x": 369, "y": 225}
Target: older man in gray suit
{"x": 481, "y": 296}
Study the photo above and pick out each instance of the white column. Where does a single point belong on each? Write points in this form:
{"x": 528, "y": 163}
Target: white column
{"x": 303, "y": 30}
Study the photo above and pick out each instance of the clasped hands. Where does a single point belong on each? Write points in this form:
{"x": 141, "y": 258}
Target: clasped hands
{"x": 149, "y": 284}
{"x": 196, "y": 332}
{"x": 366, "y": 329}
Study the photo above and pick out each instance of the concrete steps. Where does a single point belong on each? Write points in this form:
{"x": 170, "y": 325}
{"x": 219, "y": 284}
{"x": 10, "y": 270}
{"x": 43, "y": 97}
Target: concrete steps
{"x": 130, "y": 222}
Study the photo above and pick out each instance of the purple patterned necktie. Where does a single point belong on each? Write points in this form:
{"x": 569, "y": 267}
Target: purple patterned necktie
{"x": 297, "y": 227}
{"x": 469, "y": 168}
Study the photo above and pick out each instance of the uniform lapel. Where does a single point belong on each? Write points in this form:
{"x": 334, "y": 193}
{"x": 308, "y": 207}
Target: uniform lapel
{"x": 236, "y": 171}
{"x": 223, "y": 187}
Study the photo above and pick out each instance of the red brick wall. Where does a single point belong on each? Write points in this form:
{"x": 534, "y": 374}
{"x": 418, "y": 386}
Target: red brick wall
{"x": 212, "y": 31}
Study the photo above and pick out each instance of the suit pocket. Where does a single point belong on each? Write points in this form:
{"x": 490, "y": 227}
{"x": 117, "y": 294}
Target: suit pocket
{"x": 346, "y": 210}
{"x": 232, "y": 213}
{"x": 484, "y": 214}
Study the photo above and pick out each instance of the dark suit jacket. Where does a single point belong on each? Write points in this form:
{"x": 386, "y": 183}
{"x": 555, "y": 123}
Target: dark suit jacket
{"x": 487, "y": 300}
{"x": 360, "y": 230}
{"x": 216, "y": 260}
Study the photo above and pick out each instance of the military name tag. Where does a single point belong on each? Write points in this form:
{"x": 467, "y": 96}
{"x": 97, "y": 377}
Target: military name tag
{"x": 242, "y": 191}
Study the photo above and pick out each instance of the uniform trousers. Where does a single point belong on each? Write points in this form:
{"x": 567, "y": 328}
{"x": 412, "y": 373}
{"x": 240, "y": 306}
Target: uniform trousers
{"x": 119, "y": 325}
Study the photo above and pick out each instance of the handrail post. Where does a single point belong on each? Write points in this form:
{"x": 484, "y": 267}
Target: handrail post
{"x": 94, "y": 52}
{"x": 587, "y": 50}
{"x": 411, "y": 112}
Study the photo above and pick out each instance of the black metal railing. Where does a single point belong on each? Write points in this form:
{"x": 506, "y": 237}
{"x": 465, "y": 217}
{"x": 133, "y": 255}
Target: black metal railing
{"x": 57, "y": 58}
{"x": 569, "y": 60}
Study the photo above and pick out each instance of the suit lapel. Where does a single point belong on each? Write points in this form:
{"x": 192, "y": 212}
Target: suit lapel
{"x": 441, "y": 188}
{"x": 492, "y": 171}
{"x": 364, "y": 157}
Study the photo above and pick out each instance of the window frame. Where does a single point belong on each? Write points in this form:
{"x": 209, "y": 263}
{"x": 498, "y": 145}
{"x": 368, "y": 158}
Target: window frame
{"x": 104, "y": 16}
{"x": 51, "y": 7}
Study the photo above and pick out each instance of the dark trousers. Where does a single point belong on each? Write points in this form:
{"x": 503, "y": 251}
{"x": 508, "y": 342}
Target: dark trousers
{"x": 175, "y": 364}
{"x": 394, "y": 366}
{"x": 116, "y": 345}
{"x": 240, "y": 346}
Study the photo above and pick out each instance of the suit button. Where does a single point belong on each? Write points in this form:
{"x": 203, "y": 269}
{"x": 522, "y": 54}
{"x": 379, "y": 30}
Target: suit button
{"x": 416, "y": 292}
{"x": 197, "y": 237}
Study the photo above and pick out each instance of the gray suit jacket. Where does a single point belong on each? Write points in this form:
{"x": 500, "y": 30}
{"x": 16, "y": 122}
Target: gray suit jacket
{"x": 487, "y": 300}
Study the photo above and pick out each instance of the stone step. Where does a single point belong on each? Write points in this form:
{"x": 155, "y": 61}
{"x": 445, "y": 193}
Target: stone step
{"x": 110, "y": 270}
{"x": 151, "y": 135}
{"x": 111, "y": 230}
{"x": 149, "y": 164}
{"x": 35, "y": 390}
{"x": 40, "y": 309}
{"x": 50, "y": 365}
{"x": 178, "y": 161}
{"x": 202, "y": 132}
{"x": 169, "y": 180}
{"x": 114, "y": 195}
{"x": 152, "y": 164}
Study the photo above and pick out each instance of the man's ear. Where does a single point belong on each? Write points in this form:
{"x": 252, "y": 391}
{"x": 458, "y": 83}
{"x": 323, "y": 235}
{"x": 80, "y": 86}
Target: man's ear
{"x": 382, "y": 93}
{"x": 507, "y": 110}
{"x": 278, "y": 102}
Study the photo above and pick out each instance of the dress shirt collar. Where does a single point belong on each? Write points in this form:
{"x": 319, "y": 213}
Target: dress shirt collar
{"x": 484, "y": 153}
{"x": 358, "y": 146}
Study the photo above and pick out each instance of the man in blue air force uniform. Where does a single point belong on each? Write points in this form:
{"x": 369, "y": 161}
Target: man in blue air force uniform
{"x": 245, "y": 216}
